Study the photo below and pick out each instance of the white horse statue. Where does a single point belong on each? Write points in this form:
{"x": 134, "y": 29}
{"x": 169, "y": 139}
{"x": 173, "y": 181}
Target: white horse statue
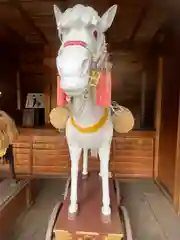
{"x": 81, "y": 31}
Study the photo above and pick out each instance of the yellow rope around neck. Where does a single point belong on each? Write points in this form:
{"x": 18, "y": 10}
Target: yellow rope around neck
{"x": 93, "y": 128}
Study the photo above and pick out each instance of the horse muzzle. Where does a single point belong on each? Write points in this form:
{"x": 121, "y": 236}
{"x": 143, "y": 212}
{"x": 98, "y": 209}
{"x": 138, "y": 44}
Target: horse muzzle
{"x": 74, "y": 86}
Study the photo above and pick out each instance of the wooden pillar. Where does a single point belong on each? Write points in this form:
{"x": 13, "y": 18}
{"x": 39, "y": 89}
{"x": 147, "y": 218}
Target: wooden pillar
{"x": 47, "y": 90}
{"x": 158, "y": 113}
{"x": 143, "y": 97}
{"x": 18, "y": 85}
{"x": 176, "y": 197}
{"x": 50, "y": 62}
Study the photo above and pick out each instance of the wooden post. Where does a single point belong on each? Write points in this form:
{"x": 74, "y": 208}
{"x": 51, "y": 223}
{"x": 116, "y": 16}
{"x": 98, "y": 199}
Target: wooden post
{"x": 18, "y": 91}
{"x": 176, "y": 196}
{"x": 143, "y": 97}
{"x": 47, "y": 97}
{"x": 158, "y": 114}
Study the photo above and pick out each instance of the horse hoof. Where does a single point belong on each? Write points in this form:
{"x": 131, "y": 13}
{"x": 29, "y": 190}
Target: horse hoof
{"x": 85, "y": 176}
{"x": 72, "y": 212}
{"x": 72, "y": 216}
{"x": 106, "y": 218}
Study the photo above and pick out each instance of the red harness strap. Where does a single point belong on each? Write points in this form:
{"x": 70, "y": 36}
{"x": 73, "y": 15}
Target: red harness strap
{"x": 75, "y": 43}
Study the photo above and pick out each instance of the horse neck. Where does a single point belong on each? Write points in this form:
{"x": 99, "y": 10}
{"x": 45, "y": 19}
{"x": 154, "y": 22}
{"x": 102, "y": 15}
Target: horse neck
{"x": 89, "y": 114}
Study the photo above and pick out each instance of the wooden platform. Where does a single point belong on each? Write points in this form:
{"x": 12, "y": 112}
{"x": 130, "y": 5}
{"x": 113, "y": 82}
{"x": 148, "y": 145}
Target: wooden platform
{"x": 88, "y": 223}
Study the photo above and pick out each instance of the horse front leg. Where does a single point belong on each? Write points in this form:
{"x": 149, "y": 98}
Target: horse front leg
{"x": 75, "y": 153}
{"x": 85, "y": 163}
{"x": 104, "y": 155}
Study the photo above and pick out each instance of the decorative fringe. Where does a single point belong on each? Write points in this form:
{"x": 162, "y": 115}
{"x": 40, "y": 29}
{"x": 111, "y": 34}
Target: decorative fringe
{"x": 103, "y": 90}
{"x": 61, "y": 96}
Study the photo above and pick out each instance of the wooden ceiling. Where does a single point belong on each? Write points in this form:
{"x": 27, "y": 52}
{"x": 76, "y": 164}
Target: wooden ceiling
{"x": 32, "y": 21}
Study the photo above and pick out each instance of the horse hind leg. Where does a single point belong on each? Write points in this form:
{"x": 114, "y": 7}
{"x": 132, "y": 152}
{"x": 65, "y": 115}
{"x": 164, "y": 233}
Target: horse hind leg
{"x": 101, "y": 167}
{"x": 75, "y": 153}
{"x": 85, "y": 163}
{"x": 104, "y": 154}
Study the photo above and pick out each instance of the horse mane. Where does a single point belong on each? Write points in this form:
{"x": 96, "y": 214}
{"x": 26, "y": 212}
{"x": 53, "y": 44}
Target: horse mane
{"x": 80, "y": 16}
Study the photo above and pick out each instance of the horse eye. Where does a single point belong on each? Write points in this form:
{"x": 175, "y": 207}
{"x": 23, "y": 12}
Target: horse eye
{"x": 95, "y": 34}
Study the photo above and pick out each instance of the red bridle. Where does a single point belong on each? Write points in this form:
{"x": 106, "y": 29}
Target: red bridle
{"x": 75, "y": 43}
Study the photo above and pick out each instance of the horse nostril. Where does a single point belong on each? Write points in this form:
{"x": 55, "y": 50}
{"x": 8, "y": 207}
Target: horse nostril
{"x": 85, "y": 66}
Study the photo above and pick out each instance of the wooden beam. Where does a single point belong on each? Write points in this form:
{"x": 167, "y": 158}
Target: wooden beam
{"x": 17, "y": 5}
{"x": 138, "y": 24}
{"x": 16, "y": 37}
{"x": 176, "y": 197}
{"x": 121, "y": 45}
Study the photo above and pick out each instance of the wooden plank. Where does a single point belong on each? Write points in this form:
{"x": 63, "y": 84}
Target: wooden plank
{"x": 176, "y": 196}
{"x": 89, "y": 222}
{"x": 44, "y": 151}
{"x": 139, "y": 22}
{"x": 161, "y": 208}
{"x": 37, "y": 68}
{"x": 11, "y": 209}
{"x": 17, "y": 5}
{"x": 167, "y": 145}
{"x": 22, "y": 169}
{"x": 41, "y": 159}
{"x": 158, "y": 113}
{"x": 140, "y": 211}
{"x": 50, "y": 170}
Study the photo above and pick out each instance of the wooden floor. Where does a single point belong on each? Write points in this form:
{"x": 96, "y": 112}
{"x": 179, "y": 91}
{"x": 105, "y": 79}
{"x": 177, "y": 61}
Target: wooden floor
{"x": 152, "y": 217}
{"x": 8, "y": 188}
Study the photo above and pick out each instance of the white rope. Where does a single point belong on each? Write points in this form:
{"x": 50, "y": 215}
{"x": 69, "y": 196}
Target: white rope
{"x": 116, "y": 108}
{"x": 82, "y": 106}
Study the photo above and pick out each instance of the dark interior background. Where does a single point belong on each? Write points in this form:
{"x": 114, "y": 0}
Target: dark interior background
{"x": 142, "y": 31}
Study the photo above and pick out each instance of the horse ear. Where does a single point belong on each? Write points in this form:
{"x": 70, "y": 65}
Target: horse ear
{"x": 107, "y": 18}
{"x": 57, "y": 14}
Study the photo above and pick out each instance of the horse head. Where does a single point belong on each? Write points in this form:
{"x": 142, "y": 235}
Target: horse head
{"x": 82, "y": 34}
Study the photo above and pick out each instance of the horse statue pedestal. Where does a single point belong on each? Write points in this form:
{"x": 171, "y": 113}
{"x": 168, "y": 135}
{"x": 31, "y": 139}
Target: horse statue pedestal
{"x": 88, "y": 223}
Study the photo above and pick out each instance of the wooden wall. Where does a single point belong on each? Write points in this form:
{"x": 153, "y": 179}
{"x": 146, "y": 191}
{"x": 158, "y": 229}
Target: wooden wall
{"x": 37, "y": 74}
{"x": 44, "y": 152}
{"x": 31, "y": 72}
{"x": 9, "y": 66}
{"x": 34, "y": 75}
{"x": 176, "y": 197}
{"x": 167, "y": 117}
